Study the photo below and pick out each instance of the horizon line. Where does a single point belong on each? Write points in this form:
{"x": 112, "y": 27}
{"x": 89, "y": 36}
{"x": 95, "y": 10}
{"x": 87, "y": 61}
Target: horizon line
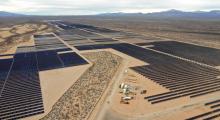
{"x": 118, "y": 12}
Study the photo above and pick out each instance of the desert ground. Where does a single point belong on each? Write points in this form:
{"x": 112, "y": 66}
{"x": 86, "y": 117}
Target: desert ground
{"x": 92, "y": 90}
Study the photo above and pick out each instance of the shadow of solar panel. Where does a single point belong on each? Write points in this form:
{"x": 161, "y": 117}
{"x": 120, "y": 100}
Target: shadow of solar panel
{"x": 48, "y": 44}
{"x": 106, "y": 41}
{"x": 91, "y": 47}
{"x": 44, "y": 36}
{"x": 102, "y": 39}
{"x": 72, "y": 59}
{"x": 142, "y": 44}
{"x": 63, "y": 50}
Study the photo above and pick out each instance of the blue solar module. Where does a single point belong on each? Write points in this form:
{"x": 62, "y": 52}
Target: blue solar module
{"x": 25, "y": 61}
{"x": 182, "y": 78}
{"x": 21, "y": 93}
{"x": 48, "y": 60}
{"x": 201, "y": 54}
{"x": 71, "y": 59}
{"x": 5, "y": 65}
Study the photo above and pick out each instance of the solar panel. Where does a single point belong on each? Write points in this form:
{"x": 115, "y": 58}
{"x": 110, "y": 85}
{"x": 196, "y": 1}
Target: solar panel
{"x": 4, "y": 69}
{"x": 21, "y": 94}
{"x": 201, "y": 54}
{"x": 71, "y": 59}
{"x": 48, "y": 60}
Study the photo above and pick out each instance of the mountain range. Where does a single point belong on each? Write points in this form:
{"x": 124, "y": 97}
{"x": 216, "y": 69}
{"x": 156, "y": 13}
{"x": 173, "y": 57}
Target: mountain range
{"x": 171, "y": 14}
{"x": 166, "y": 14}
{"x": 9, "y": 14}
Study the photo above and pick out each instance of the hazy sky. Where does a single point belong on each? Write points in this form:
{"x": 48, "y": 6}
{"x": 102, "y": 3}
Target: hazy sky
{"x": 76, "y": 7}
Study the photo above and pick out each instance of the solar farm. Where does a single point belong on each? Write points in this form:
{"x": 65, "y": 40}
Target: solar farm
{"x": 74, "y": 73}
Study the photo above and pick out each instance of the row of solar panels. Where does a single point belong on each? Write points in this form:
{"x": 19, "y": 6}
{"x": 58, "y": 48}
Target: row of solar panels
{"x": 19, "y": 80}
{"x": 182, "y": 77}
{"x": 213, "y": 114}
{"x": 201, "y": 54}
{"x": 20, "y": 92}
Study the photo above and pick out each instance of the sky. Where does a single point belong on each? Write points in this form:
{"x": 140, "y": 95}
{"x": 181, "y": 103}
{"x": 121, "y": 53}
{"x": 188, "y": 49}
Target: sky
{"x": 88, "y": 7}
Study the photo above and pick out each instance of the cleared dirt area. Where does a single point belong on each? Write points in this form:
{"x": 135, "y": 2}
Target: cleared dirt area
{"x": 83, "y": 95}
{"x": 19, "y": 35}
{"x": 54, "y": 83}
{"x": 139, "y": 108}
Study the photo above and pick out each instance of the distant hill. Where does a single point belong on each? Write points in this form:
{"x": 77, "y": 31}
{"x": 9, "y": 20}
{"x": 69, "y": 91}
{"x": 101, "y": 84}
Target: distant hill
{"x": 121, "y": 14}
{"x": 8, "y": 14}
{"x": 171, "y": 14}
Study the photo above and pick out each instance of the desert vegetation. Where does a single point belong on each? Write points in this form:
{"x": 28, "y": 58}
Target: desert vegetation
{"x": 13, "y": 35}
{"x": 79, "y": 100}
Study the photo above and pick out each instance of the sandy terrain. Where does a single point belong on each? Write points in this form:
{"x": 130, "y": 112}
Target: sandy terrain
{"x": 21, "y": 29}
{"x": 54, "y": 83}
{"x": 142, "y": 109}
{"x": 138, "y": 108}
{"x": 132, "y": 61}
{"x": 218, "y": 67}
{"x": 19, "y": 35}
{"x": 83, "y": 95}
{"x": 1, "y": 39}
{"x": 127, "y": 62}
{"x": 20, "y": 42}
{"x": 5, "y": 34}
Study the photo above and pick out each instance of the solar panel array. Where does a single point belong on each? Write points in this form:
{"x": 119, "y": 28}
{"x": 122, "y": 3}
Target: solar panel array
{"x": 201, "y": 54}
{"x": 50, "y": 59}
{"x": 83, "y": 38}
{"x": 47, "y": 53}
{"x": 214, "y": 113}
{"x": 47, "y": 42}
{"x": 71, "y": 59}
{"x": 4, "y": 69}
{"x": 24, "y": 49}
{"x": 74, "y": 38}
{"x": 21, "y": 92}
{"x": 86, "y": 32}
{"x": 183, "y": 78}
{"x": 68, "y": 26}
